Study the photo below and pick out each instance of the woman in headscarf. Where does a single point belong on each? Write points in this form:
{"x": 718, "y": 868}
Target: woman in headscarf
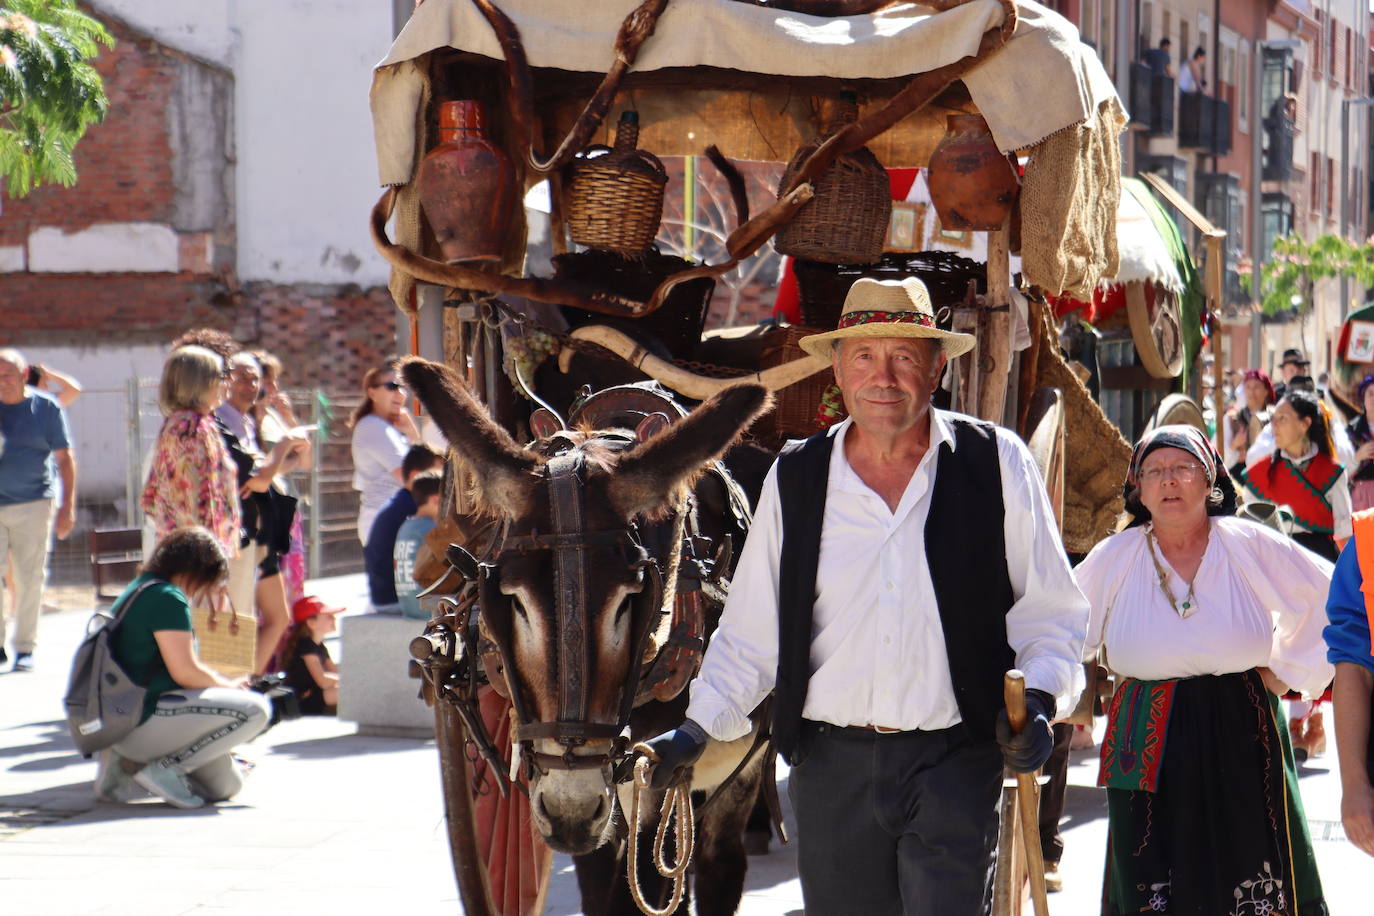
{"x": 1247, "y": 418}
{"x": 1303, "y": 474}
{"x": 1362, "y": 438}
{"x": 1204, "y": 815}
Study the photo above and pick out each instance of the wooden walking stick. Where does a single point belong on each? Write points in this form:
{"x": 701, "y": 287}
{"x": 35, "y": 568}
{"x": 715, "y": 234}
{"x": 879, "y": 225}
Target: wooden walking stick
{"x": 1027, "y": 794}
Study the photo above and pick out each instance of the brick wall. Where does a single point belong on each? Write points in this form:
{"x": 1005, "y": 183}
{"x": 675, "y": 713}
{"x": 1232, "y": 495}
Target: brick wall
{"x": 124, "y": 163}
{"x": 325, "y": 336}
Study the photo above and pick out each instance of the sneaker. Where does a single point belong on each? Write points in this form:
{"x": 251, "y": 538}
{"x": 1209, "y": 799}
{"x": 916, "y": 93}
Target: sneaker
{"x": 23, "y": 661}
{"x": 112, "y": 782}
{"x": 1054, "y": 882}
{"x": 168, "y": 785}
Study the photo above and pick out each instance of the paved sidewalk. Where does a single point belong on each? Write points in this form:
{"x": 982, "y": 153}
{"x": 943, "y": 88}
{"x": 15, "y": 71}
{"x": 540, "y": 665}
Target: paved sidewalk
{"x": 333, "y": 822}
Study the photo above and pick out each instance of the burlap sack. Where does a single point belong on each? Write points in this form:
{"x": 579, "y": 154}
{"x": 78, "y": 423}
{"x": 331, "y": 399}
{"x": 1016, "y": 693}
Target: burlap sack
{"x": 1096, "y": 455}
{"x": 1069, "y": 198}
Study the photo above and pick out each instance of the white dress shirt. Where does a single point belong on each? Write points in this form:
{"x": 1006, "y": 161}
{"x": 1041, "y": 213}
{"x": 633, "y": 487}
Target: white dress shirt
{"x": 878, "y": 650}
{"x": 1260, "y": 601}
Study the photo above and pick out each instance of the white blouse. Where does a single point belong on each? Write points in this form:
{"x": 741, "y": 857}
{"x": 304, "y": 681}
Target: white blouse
{"x": 1259, "y": 600}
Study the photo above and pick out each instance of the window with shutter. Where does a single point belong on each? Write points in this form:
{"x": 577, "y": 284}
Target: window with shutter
{"x": 1318, "y": 46}
{"x": 1315, "y": 180}
{"x": 1331, "y": 46}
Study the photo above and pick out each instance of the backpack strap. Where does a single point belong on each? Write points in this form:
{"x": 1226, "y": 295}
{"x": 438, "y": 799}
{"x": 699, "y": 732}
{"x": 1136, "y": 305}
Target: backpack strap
{"x": 1362, "y": 524}
{"x": 123, "y": 604}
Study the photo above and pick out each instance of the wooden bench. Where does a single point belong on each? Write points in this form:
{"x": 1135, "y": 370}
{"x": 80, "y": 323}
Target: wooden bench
{"x": 115, "y": 556}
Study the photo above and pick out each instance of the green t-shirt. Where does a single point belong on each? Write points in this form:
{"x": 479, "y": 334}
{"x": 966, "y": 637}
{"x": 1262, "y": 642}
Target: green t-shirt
{"x": 162, "y": 606}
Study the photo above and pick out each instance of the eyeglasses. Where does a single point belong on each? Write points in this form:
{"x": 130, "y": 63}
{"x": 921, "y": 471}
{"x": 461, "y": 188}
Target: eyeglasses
{"x": 392, "y": 386}
{"x": 1183, "y": 473}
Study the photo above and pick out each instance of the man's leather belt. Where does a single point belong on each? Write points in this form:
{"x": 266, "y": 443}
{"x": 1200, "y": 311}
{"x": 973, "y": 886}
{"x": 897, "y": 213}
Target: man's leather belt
{"x": 855, "y": 729}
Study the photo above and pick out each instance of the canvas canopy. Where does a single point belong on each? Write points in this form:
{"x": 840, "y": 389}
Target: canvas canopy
{"x": 742, "y": 77}
{"x": 762, "y": 119}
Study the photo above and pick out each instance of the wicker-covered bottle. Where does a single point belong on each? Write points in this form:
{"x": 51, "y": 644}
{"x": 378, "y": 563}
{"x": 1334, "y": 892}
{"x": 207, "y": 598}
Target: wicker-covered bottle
{"x": 615, "y": 194}
{"x": 846, "y": 221}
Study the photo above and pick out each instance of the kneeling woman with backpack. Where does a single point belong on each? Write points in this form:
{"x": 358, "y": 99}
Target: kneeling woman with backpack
{"x": 192, "y": 716}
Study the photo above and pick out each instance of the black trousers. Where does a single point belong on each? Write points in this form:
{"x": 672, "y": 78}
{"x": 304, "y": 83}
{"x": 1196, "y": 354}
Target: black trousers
{"x": 1052, "y": 794}
{"x": 902, "y": 824}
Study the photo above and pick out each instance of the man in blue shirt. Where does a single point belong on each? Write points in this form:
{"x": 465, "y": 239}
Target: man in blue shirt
{"x": 32, "y": 429}
{"x": 381, "y": 540}
{"x": 1349, "y": 649}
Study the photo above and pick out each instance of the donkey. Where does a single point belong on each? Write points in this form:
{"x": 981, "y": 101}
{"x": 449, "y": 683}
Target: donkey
{"x": 575, "y": 604}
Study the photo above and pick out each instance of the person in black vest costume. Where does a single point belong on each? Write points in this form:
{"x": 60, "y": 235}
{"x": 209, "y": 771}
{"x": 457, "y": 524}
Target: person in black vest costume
{"x": 899, "y": 564}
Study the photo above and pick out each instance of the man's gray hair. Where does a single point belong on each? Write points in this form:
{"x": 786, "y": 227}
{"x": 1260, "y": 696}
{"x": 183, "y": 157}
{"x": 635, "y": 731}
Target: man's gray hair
{"x": 14, "y": 358}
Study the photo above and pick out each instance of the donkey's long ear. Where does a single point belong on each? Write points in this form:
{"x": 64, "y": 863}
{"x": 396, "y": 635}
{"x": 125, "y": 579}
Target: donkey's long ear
{"x": 653, "y": 475}
{"x": 502, "y": 472}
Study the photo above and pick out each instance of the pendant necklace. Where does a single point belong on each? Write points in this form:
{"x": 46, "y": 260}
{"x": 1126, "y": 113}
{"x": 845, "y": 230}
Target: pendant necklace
{"x": 1189, "y": 606}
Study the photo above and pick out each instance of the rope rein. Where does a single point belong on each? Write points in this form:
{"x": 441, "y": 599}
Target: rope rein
{"x": 677, "y": 805}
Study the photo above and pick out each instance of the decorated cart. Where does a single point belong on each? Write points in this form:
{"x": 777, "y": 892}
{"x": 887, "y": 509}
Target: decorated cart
{"x": 481, "y": 103}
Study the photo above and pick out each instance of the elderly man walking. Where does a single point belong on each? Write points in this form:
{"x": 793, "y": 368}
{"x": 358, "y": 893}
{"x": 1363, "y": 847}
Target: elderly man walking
{"x": 899, "y": 564}
{"x": 32, "y": 428}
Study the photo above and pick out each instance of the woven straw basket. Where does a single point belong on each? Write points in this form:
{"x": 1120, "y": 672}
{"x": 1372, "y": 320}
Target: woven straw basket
{"x": 615, "y": 195}
{"x": 794, "y": 414}
{"x": 225, "y": 641}
{"x": 846, "y": 221}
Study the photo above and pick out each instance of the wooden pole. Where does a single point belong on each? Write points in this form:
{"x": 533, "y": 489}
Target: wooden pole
{"x": 994, "y": 345}
{"x": 1214, "y": 285}
{"x": 1027, "y": 795}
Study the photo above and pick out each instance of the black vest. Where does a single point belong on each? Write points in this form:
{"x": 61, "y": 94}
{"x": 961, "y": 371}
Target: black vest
{"x": 966, "y": 553}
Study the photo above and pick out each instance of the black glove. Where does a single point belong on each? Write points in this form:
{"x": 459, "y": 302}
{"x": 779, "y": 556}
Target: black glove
{"x": 677, "y": 750}
{"x": 1028, "y": 751}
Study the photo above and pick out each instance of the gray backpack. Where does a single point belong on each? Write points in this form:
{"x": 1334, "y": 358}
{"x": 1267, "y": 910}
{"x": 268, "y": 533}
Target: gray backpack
{"x": 103, "y": 703}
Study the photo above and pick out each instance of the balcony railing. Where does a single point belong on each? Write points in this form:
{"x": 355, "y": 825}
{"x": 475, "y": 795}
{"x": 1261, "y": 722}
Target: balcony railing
{"x": 1278, "y": 147}
{"x": 1152, "y": 100}
{"x": 1204, "y": 123}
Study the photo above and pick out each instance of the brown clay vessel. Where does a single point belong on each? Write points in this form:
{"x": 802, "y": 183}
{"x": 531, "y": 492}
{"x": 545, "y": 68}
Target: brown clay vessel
{"x": 972, "y": 184}
{"x": 467, "y": 186}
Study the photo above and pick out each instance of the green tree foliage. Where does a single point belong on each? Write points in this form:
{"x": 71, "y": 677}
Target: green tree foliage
{"x": 49, "y": 92}
{"x": 1294, "y": 266}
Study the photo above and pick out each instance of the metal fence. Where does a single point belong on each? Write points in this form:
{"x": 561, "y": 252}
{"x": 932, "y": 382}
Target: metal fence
{"x": 113, "y": 432}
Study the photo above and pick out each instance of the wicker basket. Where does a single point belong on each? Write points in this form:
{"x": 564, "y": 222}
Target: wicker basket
{"x": 846, "y": 221}
{"x": 225, "y": 641}
{"x": 615, "y": 195}
{"x": 821, "y": 288}
{"x": 795, "y": 411}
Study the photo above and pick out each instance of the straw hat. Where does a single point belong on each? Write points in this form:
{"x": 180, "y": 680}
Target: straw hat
{"x": 887, "y": 308}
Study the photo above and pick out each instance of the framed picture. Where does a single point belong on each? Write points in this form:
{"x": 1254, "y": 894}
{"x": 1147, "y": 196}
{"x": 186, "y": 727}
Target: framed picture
{"x": 1360, "y": 349}
{"x": 953, "y": 237}
{"x": 906, "y": 228}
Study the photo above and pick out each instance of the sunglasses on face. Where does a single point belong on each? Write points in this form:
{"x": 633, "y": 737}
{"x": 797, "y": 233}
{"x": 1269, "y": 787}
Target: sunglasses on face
{"x": 392, "y": 386}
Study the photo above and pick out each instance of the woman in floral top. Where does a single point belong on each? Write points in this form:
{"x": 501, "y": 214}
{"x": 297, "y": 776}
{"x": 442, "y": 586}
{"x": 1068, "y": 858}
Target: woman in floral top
{"x": 193, "y": 480}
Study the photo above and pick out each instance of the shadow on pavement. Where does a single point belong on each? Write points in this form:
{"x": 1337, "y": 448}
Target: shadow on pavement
{"x": 54, "y": 748}
{"x": 1083, "y": 805}
{"x": 345, "y": 746}
{"x": 62, "y": 805}
{"x": 766, "y": 876}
